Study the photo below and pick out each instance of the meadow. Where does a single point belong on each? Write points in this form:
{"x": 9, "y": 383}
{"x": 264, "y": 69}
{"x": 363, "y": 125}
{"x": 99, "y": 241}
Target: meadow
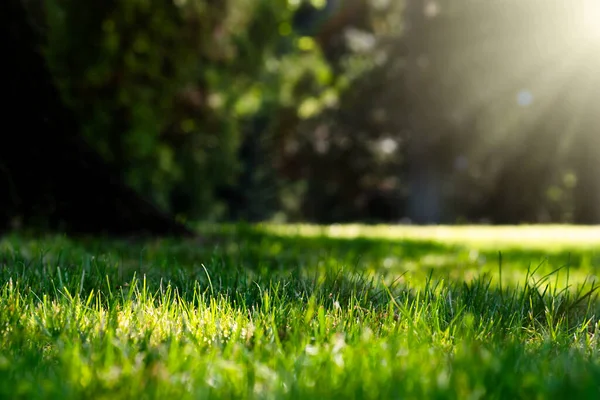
{"x": 303, "y": 312}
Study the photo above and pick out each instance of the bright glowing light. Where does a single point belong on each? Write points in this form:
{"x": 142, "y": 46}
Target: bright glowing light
{"x": 590, "y": 19}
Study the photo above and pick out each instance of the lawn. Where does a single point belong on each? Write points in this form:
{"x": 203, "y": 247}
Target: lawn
{"x": 309, "y": 312}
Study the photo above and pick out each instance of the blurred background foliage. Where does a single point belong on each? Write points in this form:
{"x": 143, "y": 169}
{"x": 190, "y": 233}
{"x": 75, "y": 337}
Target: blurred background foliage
{"x": 339, "y": 110}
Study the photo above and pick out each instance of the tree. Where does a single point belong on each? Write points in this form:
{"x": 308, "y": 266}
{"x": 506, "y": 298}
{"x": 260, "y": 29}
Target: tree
{"x": 49, "y": 175}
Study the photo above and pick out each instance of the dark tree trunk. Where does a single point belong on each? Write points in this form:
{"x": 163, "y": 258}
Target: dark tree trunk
{"x": 47, "y": 172}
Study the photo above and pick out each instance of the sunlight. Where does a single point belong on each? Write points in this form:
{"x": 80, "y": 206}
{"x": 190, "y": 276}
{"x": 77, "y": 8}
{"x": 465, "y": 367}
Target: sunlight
{"x": 529, "y": 74}
{"x": 582, "y": 21}
{"x": 590, "y": 21}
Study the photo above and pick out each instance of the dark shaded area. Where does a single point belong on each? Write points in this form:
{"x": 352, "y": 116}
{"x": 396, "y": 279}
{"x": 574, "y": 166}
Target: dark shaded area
{"x": 49, "y": 176}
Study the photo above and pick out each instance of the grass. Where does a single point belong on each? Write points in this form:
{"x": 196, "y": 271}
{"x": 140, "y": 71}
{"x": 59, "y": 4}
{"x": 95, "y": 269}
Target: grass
{"x": 302, "y": 312}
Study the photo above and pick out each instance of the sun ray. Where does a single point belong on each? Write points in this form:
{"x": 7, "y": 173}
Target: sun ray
{"x": 546, "y": 59}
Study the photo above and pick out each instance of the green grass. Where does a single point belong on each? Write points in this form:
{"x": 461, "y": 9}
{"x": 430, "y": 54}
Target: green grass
{"x": 303, "y": 312}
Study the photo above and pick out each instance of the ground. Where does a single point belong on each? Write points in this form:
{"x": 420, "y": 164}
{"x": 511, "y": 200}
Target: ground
{"x": 303, "y": 312}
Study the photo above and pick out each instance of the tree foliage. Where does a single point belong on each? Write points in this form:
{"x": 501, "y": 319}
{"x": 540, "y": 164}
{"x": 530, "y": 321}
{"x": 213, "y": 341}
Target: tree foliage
{"x": 165, "y": 88}
{"x": 439, "y": 111}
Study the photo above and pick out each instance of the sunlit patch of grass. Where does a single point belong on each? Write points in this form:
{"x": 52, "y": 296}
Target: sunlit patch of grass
{"x": 547, "y": 237}
{"x": 249, "y": 313}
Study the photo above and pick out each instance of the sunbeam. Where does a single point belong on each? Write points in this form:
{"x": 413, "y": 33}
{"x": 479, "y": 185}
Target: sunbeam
{"x": 590, "y": 20}
{"x": 521, "y": 63}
